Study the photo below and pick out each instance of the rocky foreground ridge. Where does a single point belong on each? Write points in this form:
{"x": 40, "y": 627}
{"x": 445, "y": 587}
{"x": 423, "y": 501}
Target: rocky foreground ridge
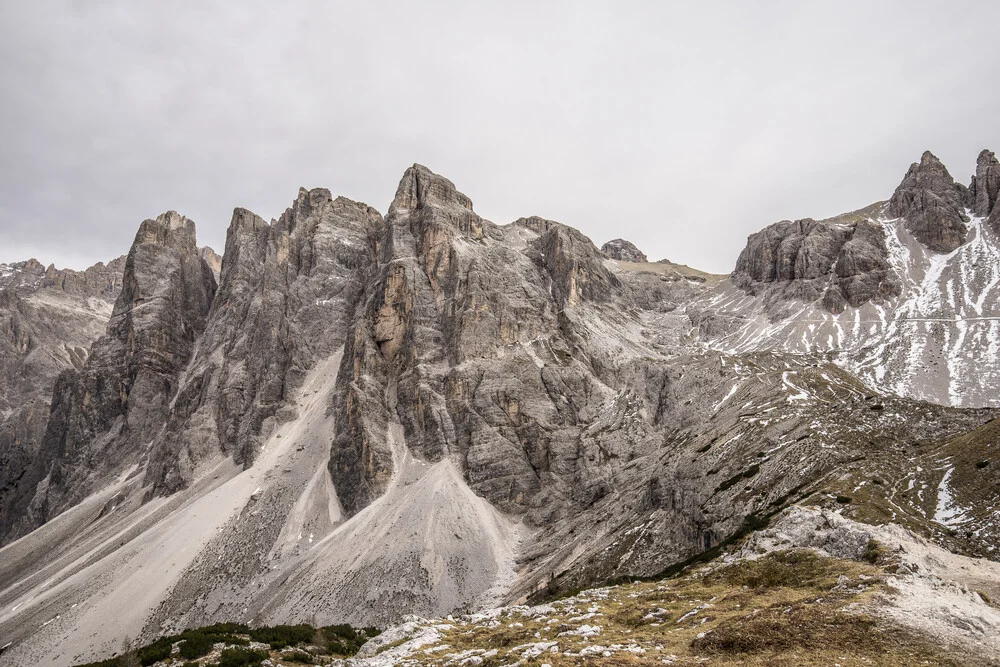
{"x": 358, "y": 417}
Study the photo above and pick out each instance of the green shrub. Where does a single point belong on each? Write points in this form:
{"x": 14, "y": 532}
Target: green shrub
{"x": 281, "y": 636}
{"x": 300, "y": 657}
{"x": 875, "y": 552}
{"x": 241, "y": 657}
{"x": 196, "y": 645}
{"x": 345, "y": 640}
{"x": 155, "y": 652}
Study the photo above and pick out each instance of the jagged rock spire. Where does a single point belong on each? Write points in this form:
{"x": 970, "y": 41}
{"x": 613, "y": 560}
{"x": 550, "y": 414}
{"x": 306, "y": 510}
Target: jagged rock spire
{"x": 932, "y": 204}
{"x": 421, "y": 186}
{"x": 985, "y": 186}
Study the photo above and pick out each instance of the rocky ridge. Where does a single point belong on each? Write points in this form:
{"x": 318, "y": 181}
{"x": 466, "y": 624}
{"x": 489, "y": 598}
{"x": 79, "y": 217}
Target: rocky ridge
{"x": 481, "y": 413}
{"x": 104, "y": 414}
{"x": 48, "y": 321}
{"x": 911, "y": 305}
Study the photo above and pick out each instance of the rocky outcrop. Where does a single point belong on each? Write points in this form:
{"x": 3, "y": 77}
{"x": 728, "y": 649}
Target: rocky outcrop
{"x": 286, "y": 297}
{"x": 574, "y": 266}
{"x": 213, "y": 260}
{"x": 104, "y": 415}
{"x": 912, "y": 319}
{"x": 932, "y": 205}
{"x": 48, "y": 321}
{"x": 474, "y": 412}
{"x": 806, "y": 260}
{"x": 623, "y": 251}
{"x": 985, "y": 189}
{"x": 102, "y": 281}
{"x": 862, "y": 272}
{"x": 457, "y": 321}
{"x": 985, "y": 186}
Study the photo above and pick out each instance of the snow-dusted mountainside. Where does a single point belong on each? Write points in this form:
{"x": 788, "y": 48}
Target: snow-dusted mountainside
{"x": 356, "y": 417}
{"x": 938, "y": 341}
{"x": 930, "y": 332}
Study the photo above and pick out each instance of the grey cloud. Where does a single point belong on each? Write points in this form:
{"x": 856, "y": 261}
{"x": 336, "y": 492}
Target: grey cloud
{"x": 683, "y": 128}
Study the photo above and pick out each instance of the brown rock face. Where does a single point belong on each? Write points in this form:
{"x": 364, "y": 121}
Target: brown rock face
{"x": 932, "y": 204}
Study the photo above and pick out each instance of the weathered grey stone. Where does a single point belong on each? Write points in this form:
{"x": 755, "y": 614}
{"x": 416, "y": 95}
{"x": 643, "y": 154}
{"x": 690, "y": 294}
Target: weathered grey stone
{"x": 985, "y": 189}
{"x": 932, "y": 204}
{"x": 840, "y": 263}
{"x": 48, "y": 321}
{"x": 286, "y": 297}
{"x": 496, "y": 384}
{"x": 623, "y": 251}
{"x": 104, "y": 415}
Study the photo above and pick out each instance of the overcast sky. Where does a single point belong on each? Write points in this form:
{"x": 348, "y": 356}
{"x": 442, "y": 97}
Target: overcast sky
{"x": 682, "y": 127}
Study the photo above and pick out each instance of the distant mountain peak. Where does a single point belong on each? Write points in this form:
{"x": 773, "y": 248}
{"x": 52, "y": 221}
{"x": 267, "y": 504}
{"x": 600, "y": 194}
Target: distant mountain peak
{"x": 623, "y": 251}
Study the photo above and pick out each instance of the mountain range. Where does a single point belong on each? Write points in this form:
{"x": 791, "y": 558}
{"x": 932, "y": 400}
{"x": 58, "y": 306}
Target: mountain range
{"x": 352, "y": 417}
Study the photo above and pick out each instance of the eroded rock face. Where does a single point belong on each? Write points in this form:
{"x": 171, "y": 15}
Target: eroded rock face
{"x": 48, "y": 320}
{"x": 378, "y": 381}
{"x": 623, "y": 251}
{"x": 985, "y": 189}
{"x": 213, "y": 260}
{"x": 286, "y": 297}
{"x": 805, "y": 260}
{"x": 932, "y": 204}
{"x": 104, "y": 415}
{"x": 862, "y": 272}
{"x": 102, "y": 281}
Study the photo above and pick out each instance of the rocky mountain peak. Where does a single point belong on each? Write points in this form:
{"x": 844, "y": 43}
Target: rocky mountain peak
{"x": 623, "y": 251}
{"x": 168, "y": 228}
{"x": 103, "y": 415}
{"x": 932, "y": 204}
{"x": 422, "y": 187}
{"x": 985, "y": 187}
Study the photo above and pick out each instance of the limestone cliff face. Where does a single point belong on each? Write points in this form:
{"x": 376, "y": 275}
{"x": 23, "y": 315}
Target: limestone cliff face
{"x": 841, "y": 264}
{"x": 470, "y": 411}
{"x": 463, "y": 341}
{"x": 985, "y": 189}
{"x": 104, "y": 415}
{"x": 285, "y": 300}
{"x": 932, "y": 204}
{"x": 48, "y": 320}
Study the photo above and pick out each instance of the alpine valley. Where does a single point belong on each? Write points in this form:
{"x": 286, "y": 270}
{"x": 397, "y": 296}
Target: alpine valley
{"x": 450, "y": 429}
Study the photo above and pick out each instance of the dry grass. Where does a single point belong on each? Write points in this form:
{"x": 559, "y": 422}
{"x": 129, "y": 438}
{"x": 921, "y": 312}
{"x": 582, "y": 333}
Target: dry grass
{"x": 790, "y": 608}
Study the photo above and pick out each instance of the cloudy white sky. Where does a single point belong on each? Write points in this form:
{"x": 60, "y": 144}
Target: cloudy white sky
{"x": 681, "y": 126}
